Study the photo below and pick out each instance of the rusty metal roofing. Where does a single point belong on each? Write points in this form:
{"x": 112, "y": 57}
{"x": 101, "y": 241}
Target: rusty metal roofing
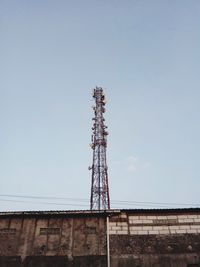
{"x": 85, "y": 213}
{"x": 162, "y": 211}
{"x": 58, "y": 213}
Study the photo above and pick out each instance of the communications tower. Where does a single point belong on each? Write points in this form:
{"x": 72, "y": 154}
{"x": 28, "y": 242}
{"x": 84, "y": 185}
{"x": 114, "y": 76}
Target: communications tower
{"x": 100, "y": 199}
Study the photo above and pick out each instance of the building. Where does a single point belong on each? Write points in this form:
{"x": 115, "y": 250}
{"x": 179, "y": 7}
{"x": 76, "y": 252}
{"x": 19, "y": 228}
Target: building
{"x": 116, "y": 238}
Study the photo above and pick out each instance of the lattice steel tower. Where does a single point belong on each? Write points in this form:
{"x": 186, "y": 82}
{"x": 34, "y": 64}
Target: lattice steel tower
{"x": 100, "y": 199}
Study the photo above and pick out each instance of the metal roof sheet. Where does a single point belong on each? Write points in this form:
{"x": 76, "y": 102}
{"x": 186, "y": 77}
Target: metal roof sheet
{"x": 80, "y": 213}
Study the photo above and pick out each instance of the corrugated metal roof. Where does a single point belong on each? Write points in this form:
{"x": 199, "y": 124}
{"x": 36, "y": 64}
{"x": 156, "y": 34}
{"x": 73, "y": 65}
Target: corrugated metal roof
{"x": 162, "y": 211}
{"x": 83, "y": 213}
{"x": 58, "y": 213}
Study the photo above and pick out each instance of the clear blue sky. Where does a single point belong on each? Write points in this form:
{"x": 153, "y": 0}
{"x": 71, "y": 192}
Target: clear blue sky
{"x": 147, "y": 56}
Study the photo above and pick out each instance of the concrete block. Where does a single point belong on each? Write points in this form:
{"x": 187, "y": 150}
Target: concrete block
{"x": 172, "y": 217}
{"x": 136, "y": 228}
{"x": 182, "y": 217}
{"x": 165, "y": 227}
{"x": 111, "y": 224}
{"x": 133, "y": 217}
{"x": 153, "y": 232}
{"x": 192, "y": 216}
{"x": 162, "y": 217}
{"x": 192, "y": 231}
{"x": 197, "y": 220}
{"x": 143, "y": 232}
{"x": 148, "y": 228}
{"x": 184, "y": 227}
{"x": 186, "y": 220}
{"x": 116, "y": 228}
{"x": 143, "y": 217}
{"x": 135, "y": 221}
{"x": 125, "y": 228}
{"x": 122, "y": 224}
{"x": 158, "y": 228}
{"x": 152, "y": 217}
{"x": 173, "y": 227}
{"x": 181, "y": 231}
{"x": 134, "y": 232}
{"x": 123, "y": 216}
{"x": 147, "y": 221}
{"x": 195, "y": 226}
{"x": 122, "y": 232}
{"x": 164, "y": 232}
{"x": 112, "y": 232}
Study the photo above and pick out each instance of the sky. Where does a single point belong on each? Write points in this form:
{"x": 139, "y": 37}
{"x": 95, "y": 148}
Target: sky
{"x": 146, "y": 56}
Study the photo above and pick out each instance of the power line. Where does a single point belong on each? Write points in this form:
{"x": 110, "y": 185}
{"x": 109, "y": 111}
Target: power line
{"x": 70, "y": 204}
{"x": 80, "y": 200}
{"x": 46, "y": 203}
{"x": 44, "y": 197}
{"x": 156, "y": 203}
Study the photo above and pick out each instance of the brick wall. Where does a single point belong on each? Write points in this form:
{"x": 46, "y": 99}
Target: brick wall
{"x": 163, "y": 239}
{"x": 137, "y": 239}
{"x": 125, "y": 224}
{"x": 53, "y": 236}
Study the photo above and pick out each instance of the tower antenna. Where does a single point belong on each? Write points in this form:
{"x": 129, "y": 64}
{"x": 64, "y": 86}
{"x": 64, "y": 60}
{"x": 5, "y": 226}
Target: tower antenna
{"x": 100, "y": 199}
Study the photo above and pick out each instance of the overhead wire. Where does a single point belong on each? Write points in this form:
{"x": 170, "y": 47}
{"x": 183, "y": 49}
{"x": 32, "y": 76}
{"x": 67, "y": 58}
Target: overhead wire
{"x": 44, "y": 197}
{"x": 115, "y": 203}
{"x": 46, "y": 203}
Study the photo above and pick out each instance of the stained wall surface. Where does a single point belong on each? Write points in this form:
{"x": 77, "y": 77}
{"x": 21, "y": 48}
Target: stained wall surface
{"x": 39, "y": 241}
{"x": 144, "y": 238}
{"x": 155, "y": 239}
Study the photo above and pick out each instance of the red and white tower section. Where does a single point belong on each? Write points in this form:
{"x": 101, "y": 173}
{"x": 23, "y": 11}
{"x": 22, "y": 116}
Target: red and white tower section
{"x": 100, "y": 199}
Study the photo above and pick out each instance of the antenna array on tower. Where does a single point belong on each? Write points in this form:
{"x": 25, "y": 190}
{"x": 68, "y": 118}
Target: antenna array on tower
{"x": 100, "y": 199}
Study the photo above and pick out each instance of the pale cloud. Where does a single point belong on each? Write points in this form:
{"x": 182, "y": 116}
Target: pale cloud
{"x": 133, "y": 164}
{"x": 132, "y": 158}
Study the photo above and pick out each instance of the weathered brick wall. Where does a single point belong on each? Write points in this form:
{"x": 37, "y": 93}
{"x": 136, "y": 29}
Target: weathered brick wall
{"x": 52, "y": 236}
{"x": 155, "y": 240}
{"x": 144, "y": 239}
{"x": 154, "y": 225}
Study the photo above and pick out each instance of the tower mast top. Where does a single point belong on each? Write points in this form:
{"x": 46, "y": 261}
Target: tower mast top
{"x": 100, "y": 199}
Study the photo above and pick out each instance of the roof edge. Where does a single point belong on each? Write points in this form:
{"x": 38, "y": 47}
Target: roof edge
{"x": 78, "y": 213}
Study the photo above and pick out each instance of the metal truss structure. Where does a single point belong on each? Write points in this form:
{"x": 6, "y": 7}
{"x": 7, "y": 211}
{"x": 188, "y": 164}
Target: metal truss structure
{"x": 100, "y": 199}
